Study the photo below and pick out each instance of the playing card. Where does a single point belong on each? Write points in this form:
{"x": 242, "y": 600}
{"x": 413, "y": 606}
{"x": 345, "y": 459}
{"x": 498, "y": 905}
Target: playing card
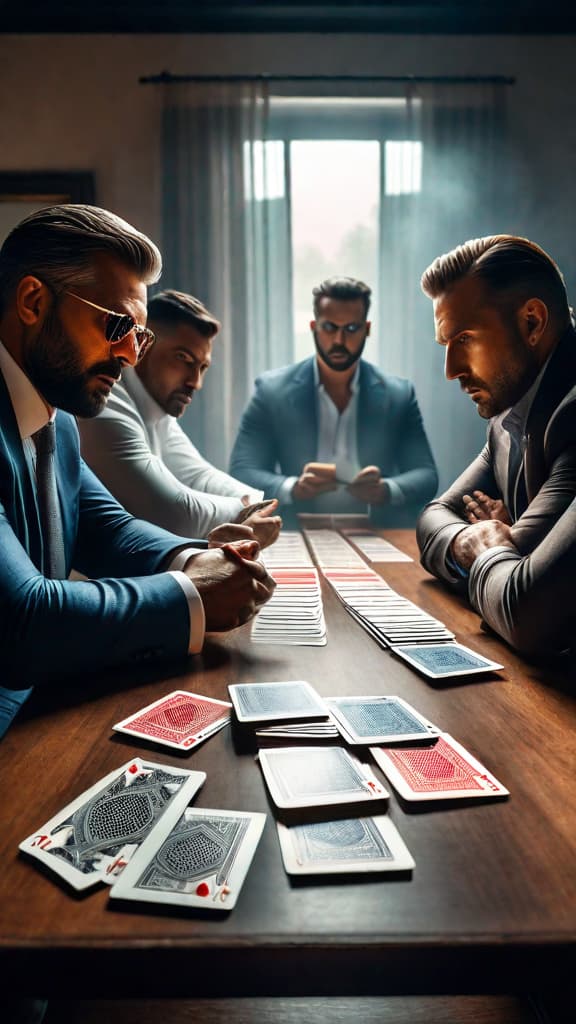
{"x": 442, "y": 771}
{"x": 294, "y": 615}
{"x": 440, "y": 661}
{"x": 378, "y": 719}
{"x": 375, "y": 548}
{"x": 93, "y": 838}
{"x": 317, "y": 777}
{"x": 195, "y": 858}
{"x": 267, "y": 702}
{"x": 349, "y": 846}
{"x": 180, "y": 720}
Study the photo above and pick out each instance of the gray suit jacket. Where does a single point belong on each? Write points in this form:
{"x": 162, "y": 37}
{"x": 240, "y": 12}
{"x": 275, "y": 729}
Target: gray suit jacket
{"x": 278, "y": 435}
{"x": 541, "y": 517}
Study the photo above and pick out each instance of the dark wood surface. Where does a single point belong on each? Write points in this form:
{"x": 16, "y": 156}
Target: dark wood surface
{"x": 491, "y": 904}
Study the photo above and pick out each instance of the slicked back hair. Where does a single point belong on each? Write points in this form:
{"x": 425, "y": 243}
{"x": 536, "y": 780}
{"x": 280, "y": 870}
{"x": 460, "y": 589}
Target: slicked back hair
{"x": 513, "y": 269}
{"x": 171, "y": 308}
{"x": 58, "y": 245}
{"x": 345, "y": 289}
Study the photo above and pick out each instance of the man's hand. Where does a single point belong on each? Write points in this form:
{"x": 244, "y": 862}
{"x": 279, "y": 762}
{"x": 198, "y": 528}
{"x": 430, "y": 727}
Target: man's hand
{"x": 369, "y": 486}
{"x": 232, "y": 584}
{"x": 265, "y": 526}
{"x": 316, "y": 478}
{"x": 479, "y": 537}
{"x": 229, "y": 533}
{"x": 480, "y": 507}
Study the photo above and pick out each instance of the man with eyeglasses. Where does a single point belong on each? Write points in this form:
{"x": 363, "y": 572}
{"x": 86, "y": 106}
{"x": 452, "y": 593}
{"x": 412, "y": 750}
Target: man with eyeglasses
{"x": 332, "y": 433}
{"x": 140, "y": 452}
{"x": 72, "y": 308}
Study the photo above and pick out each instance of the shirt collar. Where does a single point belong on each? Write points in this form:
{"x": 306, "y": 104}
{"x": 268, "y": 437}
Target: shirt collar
{"x": 30, "y": 409}
{"x": 516, "y": 417}
{"x": 147, "y": 406}
{"x": 354, "y": 380}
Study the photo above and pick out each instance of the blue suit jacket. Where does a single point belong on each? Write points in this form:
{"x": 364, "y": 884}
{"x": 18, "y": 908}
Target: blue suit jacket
{"x": 51, "y": 628}
{"x": 278, "y": 435}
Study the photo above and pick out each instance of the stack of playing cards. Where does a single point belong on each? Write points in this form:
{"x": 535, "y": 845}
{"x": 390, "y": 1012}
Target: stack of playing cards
{"x": 330, "y": 549}
{"x": 375, "y": 548}
{"x": 135, "y": 831}
{"x": 93, "y": 838}
{"x": 294, "y": 614}
{"x": 323, "y": 778}
{"x": 180, "y": 720}
{"x": 351, "y": 845}
{"x": 369, "y": 720}
{"x": 388, "y": 617}
{"x": 441, "y": 771}
{"x": 291, "y": 701}
{"x": 288, "y": 551}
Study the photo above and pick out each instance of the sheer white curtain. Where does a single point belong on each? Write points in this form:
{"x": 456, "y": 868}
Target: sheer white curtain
{"x": 226, "y": 239}
{"x": 445, "y": 179}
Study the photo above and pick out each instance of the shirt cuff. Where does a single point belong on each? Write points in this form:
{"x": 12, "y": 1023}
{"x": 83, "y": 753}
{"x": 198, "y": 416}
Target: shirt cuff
{"x": 453, "y": 566}
{"x": 284, "y": 493}
{"x": 395, "y": 492}
{"x": 195, "y": 606}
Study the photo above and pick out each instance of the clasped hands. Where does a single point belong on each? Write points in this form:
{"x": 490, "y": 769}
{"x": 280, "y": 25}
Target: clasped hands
{"x": 232, "y": 583}
{"x": 490, "y": 524}
{"x": 318, "y": 478}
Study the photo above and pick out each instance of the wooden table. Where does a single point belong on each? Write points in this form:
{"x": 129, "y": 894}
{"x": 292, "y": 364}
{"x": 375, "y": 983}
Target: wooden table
{"x": 491, "y": 904}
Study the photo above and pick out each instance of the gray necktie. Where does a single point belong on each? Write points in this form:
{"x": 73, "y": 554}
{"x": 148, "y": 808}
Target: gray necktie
{"x": 50, "y": 519}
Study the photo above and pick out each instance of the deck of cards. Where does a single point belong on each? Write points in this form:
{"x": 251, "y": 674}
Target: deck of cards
{"x": 288, "y": 551}
{"x": 294, "y": 614}
{"x": 180, "y": 720}
{"x": 389, "y": 618}
{"x": 441, "y": 771}
{"x": 330, "y": 549}
{"x": 294, "y": 701}
{"x": 375, "y": 548}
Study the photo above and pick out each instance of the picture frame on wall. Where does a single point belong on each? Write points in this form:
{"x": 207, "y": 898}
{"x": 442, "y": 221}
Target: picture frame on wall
{"x": 25, "y": 192}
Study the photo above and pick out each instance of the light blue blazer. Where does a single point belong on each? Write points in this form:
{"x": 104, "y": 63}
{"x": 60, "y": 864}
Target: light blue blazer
{"x": 51, "y": 629}
{"x": 278, "y": 435}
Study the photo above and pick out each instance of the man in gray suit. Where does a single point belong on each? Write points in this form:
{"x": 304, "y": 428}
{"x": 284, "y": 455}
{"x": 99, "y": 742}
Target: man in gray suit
{"x": 332, "y": 433}
{"x": 503, "y": 318}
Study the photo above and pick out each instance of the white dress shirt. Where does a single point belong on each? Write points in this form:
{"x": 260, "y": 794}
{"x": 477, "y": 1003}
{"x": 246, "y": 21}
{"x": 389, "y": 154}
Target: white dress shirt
{"x": 338, "y": 444}
{"x": 145, "y": 459}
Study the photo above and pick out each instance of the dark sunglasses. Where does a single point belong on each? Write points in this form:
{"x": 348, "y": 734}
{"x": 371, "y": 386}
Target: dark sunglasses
{"x": 120, "y": 325}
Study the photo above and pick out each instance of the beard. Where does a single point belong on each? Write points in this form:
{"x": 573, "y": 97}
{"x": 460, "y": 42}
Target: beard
{"x": 53, "y": 366}
{"x": 516, "y": 375}
{"x": 339, "y": 365}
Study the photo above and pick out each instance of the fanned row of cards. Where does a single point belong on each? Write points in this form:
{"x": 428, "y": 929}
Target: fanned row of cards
{"x": 295, "y": 613}
{"x": 135, "y": 831}
{"x": 180, "y": 720}
{"x": 412, "y": 634}
{"x": 375, "y": 548}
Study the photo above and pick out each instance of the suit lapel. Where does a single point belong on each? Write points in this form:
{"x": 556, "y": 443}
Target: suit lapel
{"x": 18, "y": 494}
{"x": 557, "y": 381}
{"x": 372, "y": 401}
{"x": 303, "y": 415}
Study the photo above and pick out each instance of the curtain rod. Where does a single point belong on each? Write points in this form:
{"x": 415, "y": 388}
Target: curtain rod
{"x": 166, "y": 77}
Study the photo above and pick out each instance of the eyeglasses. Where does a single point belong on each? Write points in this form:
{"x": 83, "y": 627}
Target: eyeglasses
{"x": 329, "y": 328}
{"x": 120, "y": 325}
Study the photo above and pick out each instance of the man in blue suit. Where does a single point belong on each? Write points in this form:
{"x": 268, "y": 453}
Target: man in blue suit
{"x": 72, "y": 302}
{"x": 332, "y": 433}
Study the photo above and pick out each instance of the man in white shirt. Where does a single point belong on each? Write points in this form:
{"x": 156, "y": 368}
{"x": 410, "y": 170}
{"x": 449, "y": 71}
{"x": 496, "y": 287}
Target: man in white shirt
{"x": 332, "y": 433}
{"x": 140, "y": 452}
{"x": 72, "y": 304}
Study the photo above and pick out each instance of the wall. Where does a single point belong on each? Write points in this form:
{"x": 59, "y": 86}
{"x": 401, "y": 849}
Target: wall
{"x": 74, "y": 102}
